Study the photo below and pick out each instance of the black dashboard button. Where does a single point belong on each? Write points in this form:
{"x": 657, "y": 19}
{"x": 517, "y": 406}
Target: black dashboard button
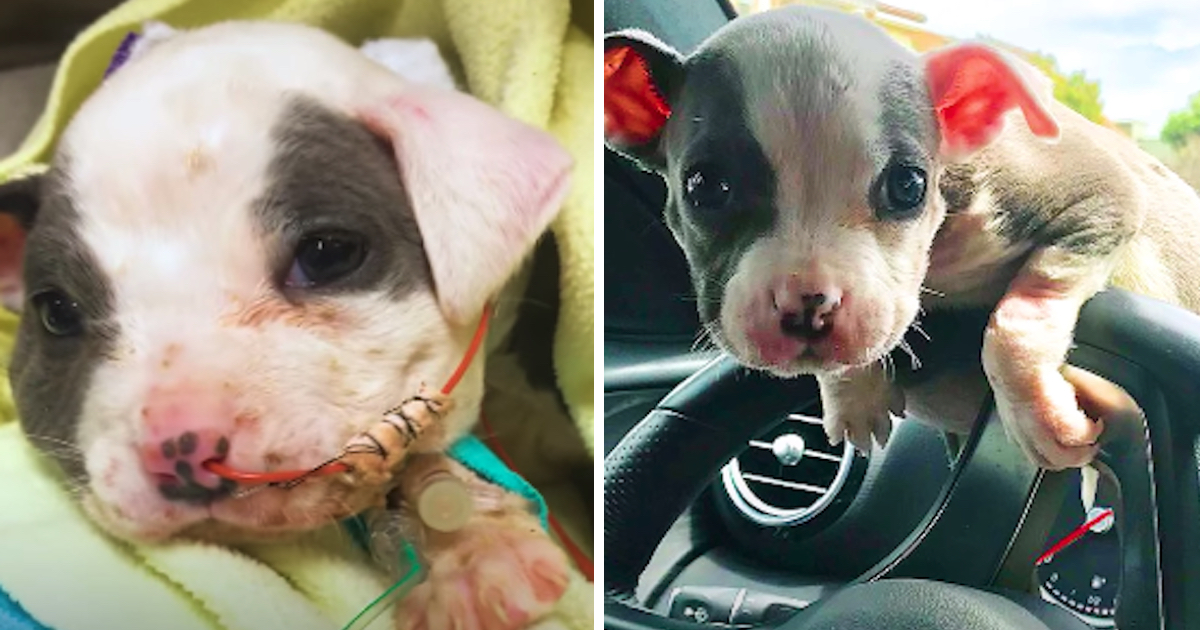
{"x": 727, "y": 606}
{"x": 762, "y": 608}
{"x": 704, "y": 604}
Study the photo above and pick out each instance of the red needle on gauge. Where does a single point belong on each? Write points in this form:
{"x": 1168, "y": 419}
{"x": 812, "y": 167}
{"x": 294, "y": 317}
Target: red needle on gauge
{"x": 1074, "y": 536}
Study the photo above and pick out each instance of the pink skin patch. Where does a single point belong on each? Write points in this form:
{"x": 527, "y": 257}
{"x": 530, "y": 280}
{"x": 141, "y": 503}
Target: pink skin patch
{"x": 773, "y": 347}
{"x": 1019, "y": 310}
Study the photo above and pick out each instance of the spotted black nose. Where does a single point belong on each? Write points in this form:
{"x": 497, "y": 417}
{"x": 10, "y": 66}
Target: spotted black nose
{"x": 177, "y": 464}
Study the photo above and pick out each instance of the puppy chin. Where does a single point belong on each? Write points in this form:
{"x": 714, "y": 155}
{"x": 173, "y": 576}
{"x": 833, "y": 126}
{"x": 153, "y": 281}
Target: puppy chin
{"x": 142, "y": 528}
{"x": 265, "y": 515}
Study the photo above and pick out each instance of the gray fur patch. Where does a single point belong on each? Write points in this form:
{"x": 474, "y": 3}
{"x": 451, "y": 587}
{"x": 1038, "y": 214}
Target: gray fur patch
{"x": 710, "y": 129}
{"x": 958, "y": 187}
{"x": 906, "y": 120}
{"x": 1038, "y": 207}
{"x": 51, "y": 375}
{"x": 330, "y": 173}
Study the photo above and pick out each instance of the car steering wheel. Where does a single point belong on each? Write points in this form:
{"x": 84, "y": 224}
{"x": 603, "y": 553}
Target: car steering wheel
{"x": 1149, "y": 349}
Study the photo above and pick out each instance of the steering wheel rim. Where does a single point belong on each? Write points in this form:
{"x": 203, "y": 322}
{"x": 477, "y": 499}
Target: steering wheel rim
{"x": 649, "y": 482}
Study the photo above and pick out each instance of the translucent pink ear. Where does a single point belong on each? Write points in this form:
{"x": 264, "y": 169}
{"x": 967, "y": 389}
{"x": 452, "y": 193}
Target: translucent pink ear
{"x": 483, "y": 187}
{"x": 972, "y": 87}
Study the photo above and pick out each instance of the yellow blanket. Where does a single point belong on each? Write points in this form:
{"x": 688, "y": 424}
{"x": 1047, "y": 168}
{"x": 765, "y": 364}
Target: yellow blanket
{"x": 522, "y": 56}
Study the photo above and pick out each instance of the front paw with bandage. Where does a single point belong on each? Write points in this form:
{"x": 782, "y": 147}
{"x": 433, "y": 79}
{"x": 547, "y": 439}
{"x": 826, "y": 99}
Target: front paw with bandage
{"x": 858, "y": 405}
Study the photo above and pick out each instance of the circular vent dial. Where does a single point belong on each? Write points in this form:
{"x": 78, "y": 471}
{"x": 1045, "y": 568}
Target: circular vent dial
{"x": 789, "y": 475}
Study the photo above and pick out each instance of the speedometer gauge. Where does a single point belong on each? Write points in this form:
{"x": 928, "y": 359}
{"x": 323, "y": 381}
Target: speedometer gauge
{"x": 1081, "y": 569}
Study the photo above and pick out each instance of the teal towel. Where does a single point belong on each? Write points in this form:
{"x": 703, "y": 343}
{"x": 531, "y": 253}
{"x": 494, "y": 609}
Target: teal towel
{"x": 471, "y": 452}
{"x": 13, "y": 617}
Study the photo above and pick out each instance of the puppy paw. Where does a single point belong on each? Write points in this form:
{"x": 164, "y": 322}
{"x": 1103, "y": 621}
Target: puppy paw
{"x": 857, "y": 407}
{"x": 1044, "y": 418}
{"x": 499, "y": 573}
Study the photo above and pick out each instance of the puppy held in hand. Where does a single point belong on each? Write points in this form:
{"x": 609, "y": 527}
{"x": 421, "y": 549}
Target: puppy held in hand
{"x": 826, "y": 184}
{"x": 253, "y": 241}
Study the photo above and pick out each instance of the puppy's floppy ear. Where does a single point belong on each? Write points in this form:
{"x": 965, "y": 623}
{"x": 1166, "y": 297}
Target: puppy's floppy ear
{"x": 19, "y": 201}
{"x": 483, "y": 187}
{"x": 972, "y": 87}
{"x": 641, "y": 77}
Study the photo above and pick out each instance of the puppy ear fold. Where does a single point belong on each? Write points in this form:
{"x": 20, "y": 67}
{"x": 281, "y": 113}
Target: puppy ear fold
{"x": 19, "y": 201}
{"x": 483, "y": 186}
{"x": 973, "y": 87}
{"x": 641, "y": 76}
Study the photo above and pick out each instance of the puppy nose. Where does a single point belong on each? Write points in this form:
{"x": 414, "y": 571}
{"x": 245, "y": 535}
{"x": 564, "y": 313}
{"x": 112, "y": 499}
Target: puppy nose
{"x": 809, "y": 316}
{"x": 813, "y": 300}
{"x": 177, "y": 465}
{"x": 182, "y": 429}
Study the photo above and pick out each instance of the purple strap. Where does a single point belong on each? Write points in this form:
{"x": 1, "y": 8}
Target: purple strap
{"x": 122, "y": 53}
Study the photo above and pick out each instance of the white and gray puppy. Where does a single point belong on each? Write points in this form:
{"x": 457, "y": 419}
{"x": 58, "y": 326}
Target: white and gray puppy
{"x": 826, "y": 184}
{"x": 253, "y": 240}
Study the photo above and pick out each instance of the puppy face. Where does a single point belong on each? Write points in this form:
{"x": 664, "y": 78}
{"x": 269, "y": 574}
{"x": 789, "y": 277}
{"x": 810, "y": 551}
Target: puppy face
{"x": 232, "y": 260}
{"x": 801, "y": 152}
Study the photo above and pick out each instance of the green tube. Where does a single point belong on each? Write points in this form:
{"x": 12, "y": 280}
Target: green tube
{"x": 411, "y": 577}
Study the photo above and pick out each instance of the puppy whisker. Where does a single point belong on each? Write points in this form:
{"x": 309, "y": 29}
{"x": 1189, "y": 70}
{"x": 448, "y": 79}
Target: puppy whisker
{"x": 889, "y": 367}
{"x": 704, "y": 341}
{"x": 50, "y": 439}
{"x": 56, "y": 447}
{"x": 912, "y": 355}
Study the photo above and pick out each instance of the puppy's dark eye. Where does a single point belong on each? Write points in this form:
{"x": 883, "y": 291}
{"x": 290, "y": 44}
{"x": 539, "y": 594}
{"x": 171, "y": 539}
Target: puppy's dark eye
{"x": 325, "y": 257}
{"x": 706, "y": 188}
{"x": 59, "y": 314}
{"x": 901, "y": 192}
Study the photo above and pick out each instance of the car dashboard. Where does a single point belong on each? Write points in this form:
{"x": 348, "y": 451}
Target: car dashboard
{"x": 793, "y": 517}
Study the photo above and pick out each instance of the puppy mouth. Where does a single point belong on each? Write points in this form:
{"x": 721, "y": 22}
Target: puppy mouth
{"x": 787, "y": 355}
{"x": 784, "y": 355}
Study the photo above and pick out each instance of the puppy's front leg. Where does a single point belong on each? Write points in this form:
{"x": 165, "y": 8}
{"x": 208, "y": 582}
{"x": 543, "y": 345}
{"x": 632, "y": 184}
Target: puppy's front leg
{"x": 856, "y": 403}
{"x": 1024, "y": 349}
{"x": 501, "y": 571}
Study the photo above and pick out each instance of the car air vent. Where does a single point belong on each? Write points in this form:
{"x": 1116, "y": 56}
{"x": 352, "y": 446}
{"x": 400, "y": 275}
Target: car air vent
{"x": 789, "y": 475}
